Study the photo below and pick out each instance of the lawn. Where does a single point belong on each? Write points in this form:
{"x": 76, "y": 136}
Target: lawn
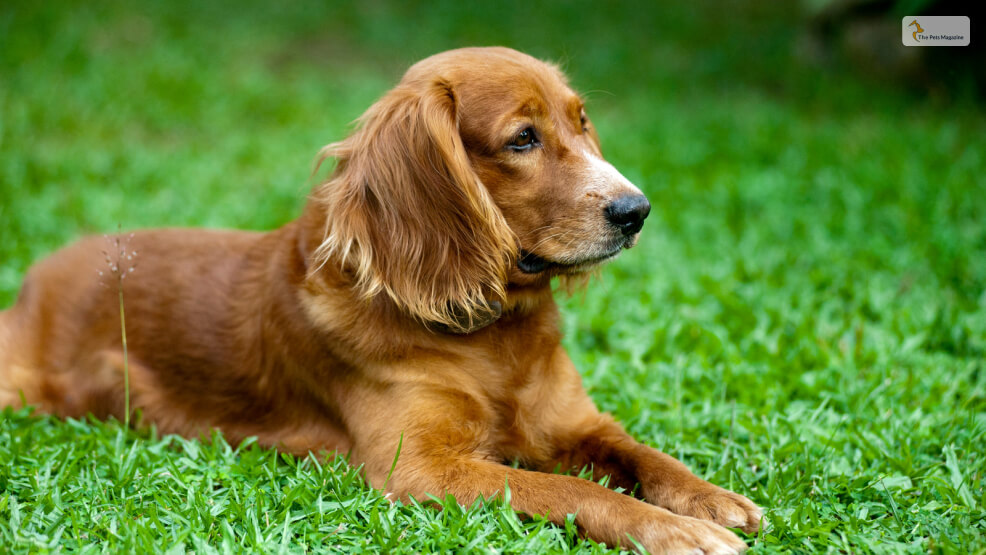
{"x": 803, "y": 321}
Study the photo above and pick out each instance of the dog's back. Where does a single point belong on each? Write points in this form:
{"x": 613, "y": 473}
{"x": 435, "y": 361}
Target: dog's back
{"x": 60, "y": 343}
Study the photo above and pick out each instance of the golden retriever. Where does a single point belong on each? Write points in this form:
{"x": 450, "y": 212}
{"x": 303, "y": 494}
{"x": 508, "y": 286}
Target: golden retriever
{"x": 410, "y": 304}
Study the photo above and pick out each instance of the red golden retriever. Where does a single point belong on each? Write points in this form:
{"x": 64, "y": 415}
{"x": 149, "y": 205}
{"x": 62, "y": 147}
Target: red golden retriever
{"x": 409, "y": 304}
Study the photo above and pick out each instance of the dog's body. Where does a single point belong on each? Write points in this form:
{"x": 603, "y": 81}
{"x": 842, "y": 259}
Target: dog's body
{"x": 409, "y": 304}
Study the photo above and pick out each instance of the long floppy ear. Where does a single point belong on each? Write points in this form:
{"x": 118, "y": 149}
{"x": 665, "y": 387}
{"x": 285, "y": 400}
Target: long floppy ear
{"x": 408, "y": 216}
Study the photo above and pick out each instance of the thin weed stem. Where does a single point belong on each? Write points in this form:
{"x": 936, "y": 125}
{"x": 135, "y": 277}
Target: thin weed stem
{"x": 120, "y": 263}
{"x": 126, "y": 362}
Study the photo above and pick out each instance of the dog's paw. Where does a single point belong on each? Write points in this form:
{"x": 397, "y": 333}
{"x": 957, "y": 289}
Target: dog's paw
{"x": 709, "y": 502}
{"x": 676, "y": 534}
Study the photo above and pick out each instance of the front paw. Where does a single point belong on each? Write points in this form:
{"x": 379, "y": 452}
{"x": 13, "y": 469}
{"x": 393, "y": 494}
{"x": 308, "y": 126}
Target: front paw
{"x": 719, "y": 505}
{"x": 674, "y": 534}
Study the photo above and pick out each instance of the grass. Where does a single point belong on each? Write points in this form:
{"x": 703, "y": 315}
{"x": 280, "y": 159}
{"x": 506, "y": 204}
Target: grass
{"x": 804, "y": 320}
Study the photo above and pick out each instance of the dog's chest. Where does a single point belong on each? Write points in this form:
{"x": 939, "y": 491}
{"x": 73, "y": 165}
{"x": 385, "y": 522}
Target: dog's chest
{"x": 529, "y": 407}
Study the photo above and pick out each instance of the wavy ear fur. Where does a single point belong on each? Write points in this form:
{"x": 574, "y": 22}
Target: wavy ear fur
{"x": 407, "y": 215}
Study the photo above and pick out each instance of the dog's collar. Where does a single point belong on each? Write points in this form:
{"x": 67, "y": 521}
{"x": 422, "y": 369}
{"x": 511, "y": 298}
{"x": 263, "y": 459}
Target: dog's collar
{"x": 464, "y": 324}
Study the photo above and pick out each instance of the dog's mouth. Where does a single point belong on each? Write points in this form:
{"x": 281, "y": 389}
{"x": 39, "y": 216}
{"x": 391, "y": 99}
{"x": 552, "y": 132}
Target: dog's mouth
{"x": 531, "y": 263}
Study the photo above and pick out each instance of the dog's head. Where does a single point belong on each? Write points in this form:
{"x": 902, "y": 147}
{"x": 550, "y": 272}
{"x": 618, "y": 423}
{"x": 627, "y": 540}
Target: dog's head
{"x": 480, "y": 170}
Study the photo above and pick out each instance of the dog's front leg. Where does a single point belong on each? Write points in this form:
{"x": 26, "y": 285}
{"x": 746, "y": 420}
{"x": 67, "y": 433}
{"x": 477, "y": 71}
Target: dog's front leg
{"x": 443, "y": 439}
{"x": 602, "y": 514}
{"x": 664, "y": 481}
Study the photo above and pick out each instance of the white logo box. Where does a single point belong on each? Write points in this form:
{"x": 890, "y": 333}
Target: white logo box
{"x": 935, "y": 30}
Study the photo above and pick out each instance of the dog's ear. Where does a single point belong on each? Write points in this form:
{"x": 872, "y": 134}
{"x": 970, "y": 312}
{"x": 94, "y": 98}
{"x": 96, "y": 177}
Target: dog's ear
{"x": 408, "y": 217}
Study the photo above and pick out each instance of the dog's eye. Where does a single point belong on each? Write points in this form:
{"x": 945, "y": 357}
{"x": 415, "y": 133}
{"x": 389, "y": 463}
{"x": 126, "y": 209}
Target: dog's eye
{"x": 584, "y": 120}
{"x": 524, "y": 140}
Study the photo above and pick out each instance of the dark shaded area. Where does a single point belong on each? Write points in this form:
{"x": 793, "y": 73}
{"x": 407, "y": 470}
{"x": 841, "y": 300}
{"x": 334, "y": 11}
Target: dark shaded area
{"x": 863, "y": 36}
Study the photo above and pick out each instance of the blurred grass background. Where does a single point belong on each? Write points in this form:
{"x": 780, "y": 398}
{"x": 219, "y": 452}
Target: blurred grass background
{"x": 803, "y": 321}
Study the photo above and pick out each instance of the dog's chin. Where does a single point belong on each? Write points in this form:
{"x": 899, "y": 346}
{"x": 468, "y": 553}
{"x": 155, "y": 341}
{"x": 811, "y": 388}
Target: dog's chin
{"x": 575, "y": 263}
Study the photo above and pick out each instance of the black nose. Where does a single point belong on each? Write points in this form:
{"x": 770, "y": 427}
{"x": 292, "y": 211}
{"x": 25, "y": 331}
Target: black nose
{"x": 628, "y": 213}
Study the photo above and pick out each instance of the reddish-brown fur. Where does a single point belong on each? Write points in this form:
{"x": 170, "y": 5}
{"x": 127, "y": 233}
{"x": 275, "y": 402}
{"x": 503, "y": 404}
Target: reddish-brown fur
{"x": 393, "y": 310}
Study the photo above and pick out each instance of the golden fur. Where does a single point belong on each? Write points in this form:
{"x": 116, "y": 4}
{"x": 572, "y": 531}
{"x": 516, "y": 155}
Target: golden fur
{"x": 410, "y": 302}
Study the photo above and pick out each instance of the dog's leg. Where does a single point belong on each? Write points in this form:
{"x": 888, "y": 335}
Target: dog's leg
{"x": 444, "y": 439}
{"x": 20, "y": 379}
{"x": 601, "y": 513}
{"x": 8, "y": 396}
{"x": 664, "y": 481}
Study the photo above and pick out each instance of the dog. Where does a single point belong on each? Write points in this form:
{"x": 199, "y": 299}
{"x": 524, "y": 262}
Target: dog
{"x": 408, "y": 311}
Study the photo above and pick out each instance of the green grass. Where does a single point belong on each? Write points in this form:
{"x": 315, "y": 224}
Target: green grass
{"x": 804, "y": 320}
